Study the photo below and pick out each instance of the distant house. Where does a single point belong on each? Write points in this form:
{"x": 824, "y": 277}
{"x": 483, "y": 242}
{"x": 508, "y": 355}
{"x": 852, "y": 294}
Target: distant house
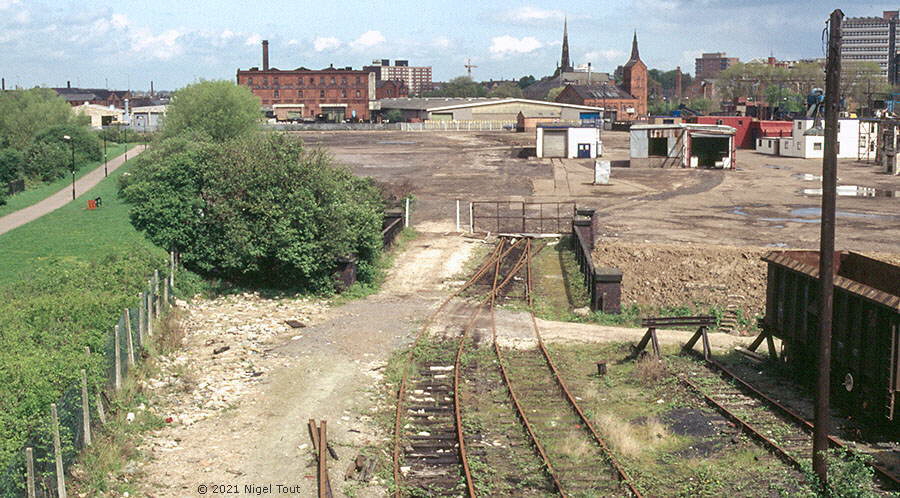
{"x": 617, "y": 104}
{"x": 808, "y": 142}
{"x": 682, "y": 146}
{"x": 571, "y": 142}
{"x": 97, "y": 96}
{"x": 147, "y": 118}
{"x": 388, "y": 89}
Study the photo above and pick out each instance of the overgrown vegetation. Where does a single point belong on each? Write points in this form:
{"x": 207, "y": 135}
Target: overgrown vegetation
{"x": 261, "y": 209}
{"x": 220, "y": 110}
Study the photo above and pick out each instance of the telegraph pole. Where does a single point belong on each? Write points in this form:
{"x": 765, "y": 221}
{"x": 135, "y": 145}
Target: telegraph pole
{"x": 826, "y": 251}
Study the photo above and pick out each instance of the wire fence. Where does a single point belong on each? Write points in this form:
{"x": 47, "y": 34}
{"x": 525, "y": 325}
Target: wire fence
{"x": 40, "y": 468}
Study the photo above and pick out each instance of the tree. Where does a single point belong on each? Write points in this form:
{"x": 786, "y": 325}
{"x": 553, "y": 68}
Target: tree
{"x": 25, "y": 113}
{"x": 506, "y": 90}
{"x": 461, "y": 86}
{"x": 10, "y": 167}
{"x": 861, "y": 79}
{"x": 393, "y": 116}
{"x": 525, "y": 81}
{"x": 220, "y": 109}
{"x": 87, "y": 144}
{"x": 784, "y": 99}
{"x": 259, "y": 209}
{"x": 46, "y": 161}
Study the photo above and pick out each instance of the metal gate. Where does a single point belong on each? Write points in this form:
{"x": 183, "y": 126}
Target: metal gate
{"x": 522, "y": 217}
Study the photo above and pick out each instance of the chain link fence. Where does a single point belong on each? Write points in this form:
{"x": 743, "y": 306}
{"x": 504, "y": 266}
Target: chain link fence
{"x": 39, "y": 469}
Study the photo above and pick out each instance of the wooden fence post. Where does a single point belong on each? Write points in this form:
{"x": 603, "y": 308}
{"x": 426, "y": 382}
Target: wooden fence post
{"x": 156, "y": 294}
{"x": 101, "y": 413}
{"x": 142, "y": 317}
{"x": 149, "y": 314}
{"x": 85, "y": 409}
{"x": 57, "y": 447}
{"x": 165, "y": 294}
{"x": 29, "y": 465}
{"x": 129, "y": 341}
{"x": 118, "y": 359}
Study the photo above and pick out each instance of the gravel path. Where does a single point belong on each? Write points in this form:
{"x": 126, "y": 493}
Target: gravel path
{"x": 64, "y": 196}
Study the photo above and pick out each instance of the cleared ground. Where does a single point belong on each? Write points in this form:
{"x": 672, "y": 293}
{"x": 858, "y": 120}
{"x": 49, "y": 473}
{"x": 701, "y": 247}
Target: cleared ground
{"x": 761, "y": 203}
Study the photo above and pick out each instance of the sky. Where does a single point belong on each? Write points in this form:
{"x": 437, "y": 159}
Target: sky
{"x": 126, "y": 44}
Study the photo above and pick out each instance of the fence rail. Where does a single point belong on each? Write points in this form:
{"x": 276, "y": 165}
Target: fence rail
{"x": 521, "y": 217}
{"x": 468, "y": 125}
{"x": 40, "y": 469}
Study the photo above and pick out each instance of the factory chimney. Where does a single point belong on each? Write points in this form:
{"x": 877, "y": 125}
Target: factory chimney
{"x": 678, "y": 82}
{"x": 68, "y": 84}
{"x": 3, "y": 84}
{"x": 265, "y": 65}
{"x": 151, "y": 88}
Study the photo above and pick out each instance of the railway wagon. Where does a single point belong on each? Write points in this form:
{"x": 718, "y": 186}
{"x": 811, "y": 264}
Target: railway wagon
{"x": 865, "y": 348}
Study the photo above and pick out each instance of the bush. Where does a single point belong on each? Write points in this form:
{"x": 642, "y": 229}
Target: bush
{"x": 46, "y": 161}
{"x": 87, "y": 145}
{"x": 10, "y": 167}
{"x": 220, "y": 109}
{"x": 260, "y": 209}
{"x": 849, "y": 476}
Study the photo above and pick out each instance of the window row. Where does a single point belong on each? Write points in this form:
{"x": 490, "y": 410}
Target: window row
{"x": 323, "y": 80}
{"x": 310, "y": 93}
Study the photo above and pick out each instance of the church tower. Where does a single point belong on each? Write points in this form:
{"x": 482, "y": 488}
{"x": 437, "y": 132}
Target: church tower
{"x": 565, "y": 65}
{"x": 634, "y": 78}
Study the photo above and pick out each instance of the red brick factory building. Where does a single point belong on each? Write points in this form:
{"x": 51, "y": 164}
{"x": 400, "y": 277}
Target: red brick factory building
{"x": 331, "y": 94}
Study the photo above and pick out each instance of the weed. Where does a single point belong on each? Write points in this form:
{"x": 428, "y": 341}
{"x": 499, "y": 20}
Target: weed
{"x": 649, "y": 370}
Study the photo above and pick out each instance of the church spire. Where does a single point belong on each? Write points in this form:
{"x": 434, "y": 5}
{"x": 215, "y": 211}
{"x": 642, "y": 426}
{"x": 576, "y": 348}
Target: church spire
{"x": 634, "y": 49}
{"x": 564, "y": 64}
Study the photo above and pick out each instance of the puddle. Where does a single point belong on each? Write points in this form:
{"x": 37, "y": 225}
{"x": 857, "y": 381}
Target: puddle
{"x": 775, "y": 166}
{"x": 394, "y": 142}
{"x": 808, "y": 177}
{"x": 854, "y": 191}
{"x": 800, "y": 215}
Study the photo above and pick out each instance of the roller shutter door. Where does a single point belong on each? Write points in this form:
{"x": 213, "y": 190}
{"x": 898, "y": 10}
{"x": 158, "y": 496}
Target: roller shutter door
{"x": 554, "y": 143}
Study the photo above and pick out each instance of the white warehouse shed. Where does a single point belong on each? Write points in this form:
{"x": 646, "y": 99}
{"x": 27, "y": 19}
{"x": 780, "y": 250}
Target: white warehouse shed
{"x": 570, "y": 142}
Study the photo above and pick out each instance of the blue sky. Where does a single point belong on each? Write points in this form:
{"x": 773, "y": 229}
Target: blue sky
{"x": 128, "y": 43}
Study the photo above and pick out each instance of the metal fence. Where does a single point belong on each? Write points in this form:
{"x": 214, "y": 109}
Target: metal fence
{"x": 468, "y": 125}
{"x": 521, "y": 217}
{"x": 39, "y": 469}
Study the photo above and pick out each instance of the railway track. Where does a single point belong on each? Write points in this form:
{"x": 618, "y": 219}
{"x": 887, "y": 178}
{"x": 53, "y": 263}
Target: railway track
{"x": 572, "y": 451}
{"x": 430, "y": 453}
{"x": 780, "y": 429}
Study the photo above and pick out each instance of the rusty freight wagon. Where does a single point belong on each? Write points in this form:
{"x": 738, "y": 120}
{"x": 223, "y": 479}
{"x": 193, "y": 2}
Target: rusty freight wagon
{"x": 865, "y": 365}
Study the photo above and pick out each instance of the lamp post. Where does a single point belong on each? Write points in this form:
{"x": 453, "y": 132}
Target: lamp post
{"x": 72, "y": 143}
{"x": 105, "y": 170}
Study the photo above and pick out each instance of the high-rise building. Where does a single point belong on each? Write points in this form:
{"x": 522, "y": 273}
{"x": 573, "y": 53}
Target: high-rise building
{"x": 871, "y": 39}
{"x": 708, "y": 66}
{"x": 416, "y": 78}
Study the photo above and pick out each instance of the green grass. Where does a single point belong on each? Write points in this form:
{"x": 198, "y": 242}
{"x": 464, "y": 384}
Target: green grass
{"x": 37, "y": 193}
{"x": 71, "y": 232}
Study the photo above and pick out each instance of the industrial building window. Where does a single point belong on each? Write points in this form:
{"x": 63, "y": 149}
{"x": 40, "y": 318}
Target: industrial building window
{"x": 344, "y": 93}
{"x": 322, "y": 94}
{"x": 358, "y": 95}
{"x": 344, "y": 81}
{"x": 321, "y": 80}
{"x": 332, "y": 80}
{"x": 300, "y": 93}
{"x": 276, "y": 94}
{"x": 759, "y": 144}
{"x": 250, "y": 80}
{"x": 312, "y": 81}
{"x": 817, "y": 146}
{"x": 659, "y": 146}
{"x": 718, "y": 122}
{"x": 358, "y": 80}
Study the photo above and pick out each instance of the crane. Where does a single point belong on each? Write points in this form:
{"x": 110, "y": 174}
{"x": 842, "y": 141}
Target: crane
{"x": 469, "y": 66}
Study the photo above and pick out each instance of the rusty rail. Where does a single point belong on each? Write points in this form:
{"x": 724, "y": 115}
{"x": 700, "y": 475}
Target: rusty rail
{"x": 883, "y": 473}
{"x": 620, "y": 471}
{"x": 320, "y": 445}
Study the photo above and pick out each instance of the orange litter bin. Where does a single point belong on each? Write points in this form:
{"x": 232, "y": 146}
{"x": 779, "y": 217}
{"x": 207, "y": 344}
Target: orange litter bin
{"x": 92, "y": 204}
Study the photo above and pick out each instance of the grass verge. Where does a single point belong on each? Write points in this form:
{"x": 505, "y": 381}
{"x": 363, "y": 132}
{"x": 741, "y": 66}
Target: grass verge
{"x": 37, "y": 192}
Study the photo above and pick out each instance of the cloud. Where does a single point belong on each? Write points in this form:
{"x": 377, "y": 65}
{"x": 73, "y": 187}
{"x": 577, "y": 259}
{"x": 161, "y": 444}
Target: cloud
{"x": 252, "y": 40}
{"x": 441, "y": 42}
{"x": 293, "y": 42}
{"x": 505, "y": 45}
{"x": 368, "y": 39}
{"x": 5, "y": 4}
{"x": 530, "y": 14}
{"x": 163, "y": 46}
{"x": 324, "y": 43}
{"x": 610, "y": 55}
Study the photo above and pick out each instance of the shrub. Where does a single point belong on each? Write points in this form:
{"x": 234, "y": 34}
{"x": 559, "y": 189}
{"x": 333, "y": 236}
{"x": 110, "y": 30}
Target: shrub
{"x": 87, "y": 145}
{"x": 260, "y": 209}
{"x": 849, "y": 476}
{"x": 220, "y": 109}
{"x": 10, "y": 167}
{"x": 46, "y": 161}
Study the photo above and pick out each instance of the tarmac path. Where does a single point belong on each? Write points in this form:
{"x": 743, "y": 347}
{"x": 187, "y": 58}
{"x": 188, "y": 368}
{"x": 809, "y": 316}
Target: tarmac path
{"x": 64, "y": 196}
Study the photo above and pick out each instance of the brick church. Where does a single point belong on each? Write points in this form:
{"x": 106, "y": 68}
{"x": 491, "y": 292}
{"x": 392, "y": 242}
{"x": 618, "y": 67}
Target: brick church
{"x": 624, "y": 102}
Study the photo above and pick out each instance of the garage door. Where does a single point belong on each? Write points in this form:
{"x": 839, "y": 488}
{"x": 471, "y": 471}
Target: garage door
{"x": 554, "y": 143}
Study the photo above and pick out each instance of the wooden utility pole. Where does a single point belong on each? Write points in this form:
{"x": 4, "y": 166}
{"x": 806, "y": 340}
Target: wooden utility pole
{"x": 826, "y": 251}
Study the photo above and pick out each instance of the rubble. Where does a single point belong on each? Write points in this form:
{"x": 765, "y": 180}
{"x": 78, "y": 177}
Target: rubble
{"x": 196, "y": 381}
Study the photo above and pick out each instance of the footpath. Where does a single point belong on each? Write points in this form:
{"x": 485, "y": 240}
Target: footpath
{"x": 64, "y": 196}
